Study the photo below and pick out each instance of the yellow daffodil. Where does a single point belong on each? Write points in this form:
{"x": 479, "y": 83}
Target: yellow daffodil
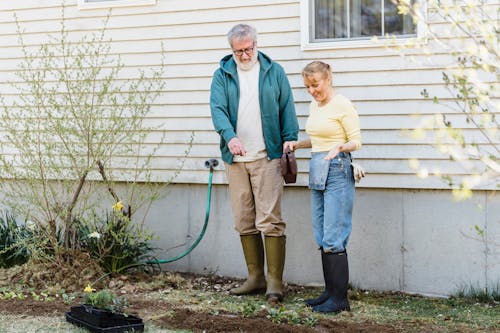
{"x": 118, "y": 206}
{"x": 88, "y": 289}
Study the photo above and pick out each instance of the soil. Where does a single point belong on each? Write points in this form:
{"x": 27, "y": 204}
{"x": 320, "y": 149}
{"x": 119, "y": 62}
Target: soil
{"x": 182, "y": 317}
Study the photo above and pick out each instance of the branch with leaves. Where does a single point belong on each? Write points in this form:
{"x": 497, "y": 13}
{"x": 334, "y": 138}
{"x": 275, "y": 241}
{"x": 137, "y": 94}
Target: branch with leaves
{"x": 469, "y": 32}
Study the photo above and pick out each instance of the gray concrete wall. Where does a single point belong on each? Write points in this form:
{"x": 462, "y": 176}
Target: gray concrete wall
{"x": 418, "y": 241}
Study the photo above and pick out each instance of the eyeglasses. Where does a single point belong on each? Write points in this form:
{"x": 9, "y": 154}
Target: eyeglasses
{"x": 248, "y": 51}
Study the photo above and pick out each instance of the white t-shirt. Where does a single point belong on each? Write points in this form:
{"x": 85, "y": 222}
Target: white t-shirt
{"x": 249, "y": 124}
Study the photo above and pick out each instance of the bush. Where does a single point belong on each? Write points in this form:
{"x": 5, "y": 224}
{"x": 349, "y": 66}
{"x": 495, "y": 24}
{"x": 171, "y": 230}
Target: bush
{"x": 13, "y": 252}
{"x": 89, "y": 120}
{"x": 116, "y": 243}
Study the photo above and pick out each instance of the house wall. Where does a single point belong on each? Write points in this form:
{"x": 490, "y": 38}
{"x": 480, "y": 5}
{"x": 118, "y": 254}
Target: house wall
{"x": 407, "y": 234}
{"x": 384, "y": 86}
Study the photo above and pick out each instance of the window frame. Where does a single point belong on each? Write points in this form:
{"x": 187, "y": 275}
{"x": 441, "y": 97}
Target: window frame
{"x": 83, "y": 4}
{"x": 306, "y": 25}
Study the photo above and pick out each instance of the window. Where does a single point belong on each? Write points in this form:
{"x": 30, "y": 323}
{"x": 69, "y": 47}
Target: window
{"x": 91, "y": 4}
{"x": 328, "y": 22}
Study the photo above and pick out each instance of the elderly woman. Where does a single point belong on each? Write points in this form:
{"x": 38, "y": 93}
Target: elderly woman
{"x": 334, "y": 132}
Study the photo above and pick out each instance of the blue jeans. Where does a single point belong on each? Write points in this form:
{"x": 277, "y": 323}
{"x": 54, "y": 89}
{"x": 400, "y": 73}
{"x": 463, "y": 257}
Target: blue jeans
{"x": 332, "y": 199}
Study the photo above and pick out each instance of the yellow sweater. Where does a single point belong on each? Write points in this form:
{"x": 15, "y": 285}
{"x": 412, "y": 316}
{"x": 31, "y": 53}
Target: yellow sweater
{"x": 334, "y": 123}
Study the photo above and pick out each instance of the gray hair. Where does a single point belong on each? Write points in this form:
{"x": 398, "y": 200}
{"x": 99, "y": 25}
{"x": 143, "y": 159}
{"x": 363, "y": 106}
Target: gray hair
{"x": 241, "y": 31}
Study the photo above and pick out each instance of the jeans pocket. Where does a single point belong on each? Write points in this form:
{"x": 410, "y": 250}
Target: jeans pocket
{"x": 318, "y": 171}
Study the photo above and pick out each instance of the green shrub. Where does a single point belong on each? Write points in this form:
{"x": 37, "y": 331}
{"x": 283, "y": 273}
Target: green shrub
{"x": 12, "y": 239}
{"x": 89, "y": 119}
{"x": 116, "y": 242}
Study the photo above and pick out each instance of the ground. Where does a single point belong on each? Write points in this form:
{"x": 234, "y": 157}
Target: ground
{"x": 167, "y": 312}
{"x": 201, "y": 303}
{"x": 186, "y": 319}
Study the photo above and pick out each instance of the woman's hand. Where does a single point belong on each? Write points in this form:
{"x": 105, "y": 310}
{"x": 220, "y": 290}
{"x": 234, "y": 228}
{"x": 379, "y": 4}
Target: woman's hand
{"x": 341, "y": 148}
{"x": 334, "y": 152}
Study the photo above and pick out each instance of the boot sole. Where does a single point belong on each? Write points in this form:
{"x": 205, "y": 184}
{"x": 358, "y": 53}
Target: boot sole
{"x": 278, "y": 297}
{"x": 274, "y": 299}
{"x": 335, "y": 311}
{"x": 257, "y": 291}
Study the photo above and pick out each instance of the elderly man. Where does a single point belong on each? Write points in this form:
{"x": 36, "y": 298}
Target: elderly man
{"x": 253, "y": 111}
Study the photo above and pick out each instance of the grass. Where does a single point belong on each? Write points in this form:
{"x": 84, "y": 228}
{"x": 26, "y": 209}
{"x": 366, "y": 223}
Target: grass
{"x": 397, "y": 309}
{"x": 478, "y": 294}
{"x": 411, "y": 313}
{"x": 21, "y": 324}
{"x": 444, "y": 313}
{"x": 464, "y": 312}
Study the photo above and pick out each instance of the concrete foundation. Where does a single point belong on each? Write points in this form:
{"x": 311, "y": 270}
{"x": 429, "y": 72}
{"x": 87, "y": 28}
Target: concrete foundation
{"x": 419, "y": 241}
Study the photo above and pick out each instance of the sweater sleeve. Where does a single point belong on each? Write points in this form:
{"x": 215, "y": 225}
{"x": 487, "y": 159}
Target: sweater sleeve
{"x": 350, "y": 123}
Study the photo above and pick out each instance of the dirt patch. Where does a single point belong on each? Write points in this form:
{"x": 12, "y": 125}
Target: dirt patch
{"x": 29, "y": 307}
{"x": 201, "y": 303}
{"x": 227, "y": 322}
{"x": 223, "y": 322}
{"x": 176, "y": 317}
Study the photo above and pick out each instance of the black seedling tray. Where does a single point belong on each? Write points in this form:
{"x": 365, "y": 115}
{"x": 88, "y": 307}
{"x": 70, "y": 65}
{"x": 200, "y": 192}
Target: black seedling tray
{"x": 96, "y": 320}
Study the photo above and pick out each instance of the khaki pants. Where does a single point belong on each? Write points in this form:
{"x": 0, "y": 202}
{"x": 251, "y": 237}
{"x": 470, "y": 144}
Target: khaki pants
{"x": 256, "y": 189}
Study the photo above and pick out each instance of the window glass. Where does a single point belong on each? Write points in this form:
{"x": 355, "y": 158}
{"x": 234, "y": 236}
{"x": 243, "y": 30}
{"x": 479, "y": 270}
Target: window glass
{"x": 357, "y": 19}
{"x": 396, "y": 24}
{"x": 330, "y": 19}
{"x": 366, "y": 18}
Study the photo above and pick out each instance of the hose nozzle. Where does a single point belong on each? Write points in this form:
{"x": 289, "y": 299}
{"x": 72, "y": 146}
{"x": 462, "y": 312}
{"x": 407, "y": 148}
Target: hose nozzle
{"x": 211, "y": 163}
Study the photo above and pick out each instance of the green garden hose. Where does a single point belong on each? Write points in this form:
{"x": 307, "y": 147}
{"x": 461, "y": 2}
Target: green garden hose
{"x": 209, "y": 164}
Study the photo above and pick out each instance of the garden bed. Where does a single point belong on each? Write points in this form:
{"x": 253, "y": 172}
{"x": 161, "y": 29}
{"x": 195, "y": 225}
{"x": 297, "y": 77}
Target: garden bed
{"x": 202, "y": 303}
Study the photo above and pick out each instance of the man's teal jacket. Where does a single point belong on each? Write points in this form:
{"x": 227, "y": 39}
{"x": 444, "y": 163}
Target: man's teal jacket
{"x": 279, "y": 120}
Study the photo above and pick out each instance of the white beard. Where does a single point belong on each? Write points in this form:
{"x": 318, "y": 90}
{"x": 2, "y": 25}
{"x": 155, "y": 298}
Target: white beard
{"x": 246, "y": 66}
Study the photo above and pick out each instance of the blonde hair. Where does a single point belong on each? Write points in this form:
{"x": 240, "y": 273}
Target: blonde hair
{"x": 317, "y": 67}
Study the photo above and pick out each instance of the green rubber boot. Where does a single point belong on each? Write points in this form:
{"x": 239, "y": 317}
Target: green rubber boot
{"x": 275, "y": 255}
{"x": 253, "y": 249}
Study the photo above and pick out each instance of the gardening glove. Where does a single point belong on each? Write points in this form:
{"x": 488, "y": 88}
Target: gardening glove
{"x": 358, "y": 172}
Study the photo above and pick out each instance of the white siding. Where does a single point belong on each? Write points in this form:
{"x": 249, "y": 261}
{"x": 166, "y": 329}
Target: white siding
{"x": 384, "y": 86}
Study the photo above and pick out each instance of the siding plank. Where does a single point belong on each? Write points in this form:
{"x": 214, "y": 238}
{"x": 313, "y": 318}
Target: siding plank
{"x": 384, "y": 86}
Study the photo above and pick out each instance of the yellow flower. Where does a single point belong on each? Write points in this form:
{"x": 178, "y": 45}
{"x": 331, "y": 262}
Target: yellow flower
{"x": 118, "y": 206}
{"x": 88, "y": 289}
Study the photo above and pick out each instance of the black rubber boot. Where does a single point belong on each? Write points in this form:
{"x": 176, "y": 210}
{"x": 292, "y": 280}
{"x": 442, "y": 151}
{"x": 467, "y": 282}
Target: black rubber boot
{"x": 253, "y": 249}
{"x": 324, "y": 296}
{"x": 337, "y": 273}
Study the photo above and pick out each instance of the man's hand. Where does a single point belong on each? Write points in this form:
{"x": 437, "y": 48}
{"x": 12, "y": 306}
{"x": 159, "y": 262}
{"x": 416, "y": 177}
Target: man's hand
{"x": 236, "y": 147}
{"x": 291, "y": 145}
